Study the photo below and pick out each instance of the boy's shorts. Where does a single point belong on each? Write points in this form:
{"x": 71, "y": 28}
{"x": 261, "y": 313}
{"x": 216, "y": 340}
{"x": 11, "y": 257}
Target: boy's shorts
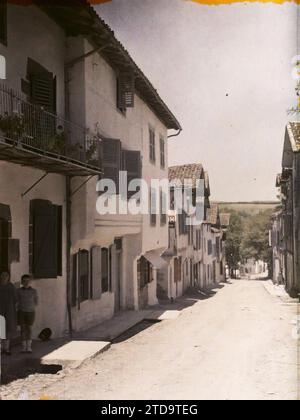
{"x": 26, "y": 318}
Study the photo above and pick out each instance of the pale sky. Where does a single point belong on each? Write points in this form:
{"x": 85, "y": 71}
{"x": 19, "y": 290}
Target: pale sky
{"x": 225, "y": 72}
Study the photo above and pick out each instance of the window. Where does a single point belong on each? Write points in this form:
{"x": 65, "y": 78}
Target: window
{"x": 131, "y": 163}
{"x": 153, "y": 210}
{"x": 111, "y": 157}
{"x": 163, "y": 208}
{"x": 105, "y": 270}
{"x": 41, "y": 87}
{"x": 45, "y": 239}
{"x": 172, "y": 198}
{"x": 162, "y": 153}
{"x": 182, "y": 220}
{"x": 120, "y": 106}
{"x": 3, "y": 22}
{"x": 144, "y": 271}
{"x": 125, "y": 91}
{"x": 209, "y": 247}
{"x": 152, "y": 145}
{"x": 83, "y": 275}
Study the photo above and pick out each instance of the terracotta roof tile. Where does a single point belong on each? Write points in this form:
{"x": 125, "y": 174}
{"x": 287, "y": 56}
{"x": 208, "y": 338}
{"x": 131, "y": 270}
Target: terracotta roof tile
{"x": 186, "y": 172}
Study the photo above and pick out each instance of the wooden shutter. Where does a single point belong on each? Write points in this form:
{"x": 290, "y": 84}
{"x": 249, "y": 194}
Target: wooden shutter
{"x": 153, "y": 202}
{"x": 114, "y": 267}
{"x": 45, "y": 252}
{"x": 83, "y": 275}
{"x": 74, "y": 289}
{"x": 96, "y": 285}
{"x": 3, "y": 21}
{"x": 126, "y": 90}
{"x": 43, "y": 91}
{"x": 131, "y": 163}
{"x": 111, "y": 155}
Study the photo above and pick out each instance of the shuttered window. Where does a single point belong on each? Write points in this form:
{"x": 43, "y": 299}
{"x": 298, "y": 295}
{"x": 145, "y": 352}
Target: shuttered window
{"x": 83, "y": 275}
{"x": 45, "y": 239}
{"x": 163, "y": 208}
{"x": 105, "y": 270}
{"x": 43, "y": 91}
{"x": 125, "y": 91}
{"x": 162, "y": 153}
{"x": 152, "y": 151}
{"x": 3, "y": 22}
{"x": 209, "y": 247}
{"x": 131, "y": 163}
{"x": 111, "y": 156}
{"x": 96, "y": 281}
{"x": 153, "y": 207}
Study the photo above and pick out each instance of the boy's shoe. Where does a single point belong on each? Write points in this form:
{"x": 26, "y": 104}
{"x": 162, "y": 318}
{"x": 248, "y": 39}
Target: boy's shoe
{"x": 24, "y": 347}
{"x": 7, "y": 352}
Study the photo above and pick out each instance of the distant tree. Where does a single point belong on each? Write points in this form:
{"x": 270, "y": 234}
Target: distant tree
{"x": 255, "y": 242}
{"x": 234, "y": 242}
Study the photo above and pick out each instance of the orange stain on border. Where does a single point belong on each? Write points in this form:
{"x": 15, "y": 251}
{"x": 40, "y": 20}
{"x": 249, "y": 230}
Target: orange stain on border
{"x": 219, "y": 2}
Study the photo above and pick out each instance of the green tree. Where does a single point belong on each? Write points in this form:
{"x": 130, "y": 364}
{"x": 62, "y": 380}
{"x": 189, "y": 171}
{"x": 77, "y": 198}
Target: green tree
{"x": 234, "y": 242}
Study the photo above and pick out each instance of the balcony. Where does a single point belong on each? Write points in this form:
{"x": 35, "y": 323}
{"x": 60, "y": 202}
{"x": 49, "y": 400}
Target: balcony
{"x": 31, "y": 136}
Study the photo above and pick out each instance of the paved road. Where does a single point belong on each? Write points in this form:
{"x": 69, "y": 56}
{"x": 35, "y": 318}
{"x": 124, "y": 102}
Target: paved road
{"x": 236, "y": 345}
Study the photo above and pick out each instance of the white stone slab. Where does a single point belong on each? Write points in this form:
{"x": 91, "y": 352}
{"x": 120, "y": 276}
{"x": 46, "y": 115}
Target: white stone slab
{"x": 75, "y": 353}
{"x": 163, "y": 315}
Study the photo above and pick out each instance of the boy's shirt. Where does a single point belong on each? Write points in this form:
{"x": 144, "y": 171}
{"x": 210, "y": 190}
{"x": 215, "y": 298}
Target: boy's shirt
{"x": 27, "y": 299}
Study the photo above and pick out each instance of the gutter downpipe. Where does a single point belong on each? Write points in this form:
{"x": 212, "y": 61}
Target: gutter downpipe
{"x": 68, "y": 66}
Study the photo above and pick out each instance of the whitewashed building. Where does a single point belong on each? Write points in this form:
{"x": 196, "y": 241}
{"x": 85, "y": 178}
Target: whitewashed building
{"x": 196, "y": 254}
{"x": 75, "y": 108}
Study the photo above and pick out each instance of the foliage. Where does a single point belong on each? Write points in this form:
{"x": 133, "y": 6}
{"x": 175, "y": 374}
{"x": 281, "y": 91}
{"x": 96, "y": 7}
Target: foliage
{"x": 234, "y": 241}
{"x": 12, "y": 125}
{"x": 248, "y": 238}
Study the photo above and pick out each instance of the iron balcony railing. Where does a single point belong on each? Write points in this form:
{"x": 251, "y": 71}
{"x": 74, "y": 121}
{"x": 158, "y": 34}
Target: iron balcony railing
{"x": 23, "y": 124}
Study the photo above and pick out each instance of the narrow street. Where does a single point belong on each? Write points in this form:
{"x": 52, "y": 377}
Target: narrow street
{"x": 238, "y": 344}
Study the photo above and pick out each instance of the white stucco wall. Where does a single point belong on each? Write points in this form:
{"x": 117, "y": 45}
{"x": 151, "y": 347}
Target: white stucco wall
{"x": 15, "y": 180}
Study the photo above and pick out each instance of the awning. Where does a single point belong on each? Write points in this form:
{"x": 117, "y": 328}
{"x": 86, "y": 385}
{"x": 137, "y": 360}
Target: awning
{"x": 154, "y": 257}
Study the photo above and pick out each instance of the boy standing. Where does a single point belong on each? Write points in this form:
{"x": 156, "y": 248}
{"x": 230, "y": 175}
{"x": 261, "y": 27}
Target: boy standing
{"x": 27, "y": 302}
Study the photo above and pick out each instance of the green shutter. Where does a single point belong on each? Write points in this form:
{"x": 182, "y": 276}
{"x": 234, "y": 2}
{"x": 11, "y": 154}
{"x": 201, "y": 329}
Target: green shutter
{"x": 131, "y": 163}
{"x": 45, "y": 230}
{"x": 43, "y": 91}
{"x": 111, "y": 155}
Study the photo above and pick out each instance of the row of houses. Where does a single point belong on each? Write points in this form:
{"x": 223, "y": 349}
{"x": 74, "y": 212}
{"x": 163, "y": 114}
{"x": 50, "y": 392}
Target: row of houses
{"x": 75, "y": 108}
{"x": 284, "y": 233}
{"x": 196, "y": 252}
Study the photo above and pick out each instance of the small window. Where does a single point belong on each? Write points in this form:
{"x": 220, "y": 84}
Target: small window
{"x": 152, "y": 150}
{"x": 162, "y": 153}
{"x": 3, "y": 22}
{"x": 120, "y": 106}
